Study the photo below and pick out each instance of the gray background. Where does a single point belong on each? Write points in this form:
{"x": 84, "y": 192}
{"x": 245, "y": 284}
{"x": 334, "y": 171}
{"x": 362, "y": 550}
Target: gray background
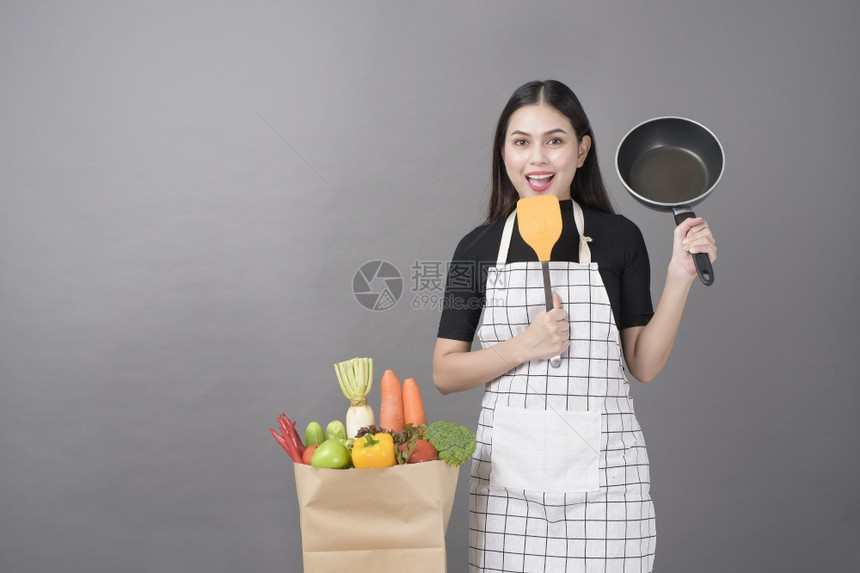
{"x": 189, "y": 187}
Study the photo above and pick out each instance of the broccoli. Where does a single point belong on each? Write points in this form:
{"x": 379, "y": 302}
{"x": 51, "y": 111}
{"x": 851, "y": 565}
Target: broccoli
{"x": 455, "y": 443}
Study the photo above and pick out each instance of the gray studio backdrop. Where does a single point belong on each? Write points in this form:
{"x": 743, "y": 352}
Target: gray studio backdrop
{"x": 188, "y": 188}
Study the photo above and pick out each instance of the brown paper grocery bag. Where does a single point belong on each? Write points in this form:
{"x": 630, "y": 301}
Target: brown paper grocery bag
{"x": 391, "y": 519}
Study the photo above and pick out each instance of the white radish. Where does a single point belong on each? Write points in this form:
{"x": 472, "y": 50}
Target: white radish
{"x": 356, "y": 378}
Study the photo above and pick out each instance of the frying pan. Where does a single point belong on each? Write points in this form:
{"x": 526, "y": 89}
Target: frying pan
{"x": 539, "y": 222}
{"x": 672, "y": 163}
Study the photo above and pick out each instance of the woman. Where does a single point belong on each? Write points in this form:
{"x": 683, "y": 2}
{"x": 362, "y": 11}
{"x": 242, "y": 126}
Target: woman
{"x": 560, "y": 479}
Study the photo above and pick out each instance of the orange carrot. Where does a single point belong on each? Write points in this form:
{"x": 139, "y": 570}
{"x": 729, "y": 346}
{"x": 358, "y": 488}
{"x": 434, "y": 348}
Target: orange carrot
{"x": 391, "y": 406}
{"x": 413, "y": 406}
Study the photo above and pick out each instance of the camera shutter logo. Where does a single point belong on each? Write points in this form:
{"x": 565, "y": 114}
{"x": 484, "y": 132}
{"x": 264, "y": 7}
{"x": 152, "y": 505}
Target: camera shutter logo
{"x": 377, "y": 285}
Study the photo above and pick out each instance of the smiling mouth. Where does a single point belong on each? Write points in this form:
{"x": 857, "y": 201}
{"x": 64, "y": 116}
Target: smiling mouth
{"x": 539, "y": 181}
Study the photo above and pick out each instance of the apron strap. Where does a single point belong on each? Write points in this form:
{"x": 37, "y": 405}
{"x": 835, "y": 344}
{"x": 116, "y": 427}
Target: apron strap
{"x": 502, "y": 259}
{"x": 584, "y": 251}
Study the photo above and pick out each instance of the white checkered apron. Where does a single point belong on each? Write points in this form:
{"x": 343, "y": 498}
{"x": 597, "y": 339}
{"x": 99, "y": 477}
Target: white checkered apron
{"x": 568, "y": 486}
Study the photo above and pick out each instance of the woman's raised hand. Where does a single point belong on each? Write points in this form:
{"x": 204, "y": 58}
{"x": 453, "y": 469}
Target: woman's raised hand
{"x": 692, "y": 236}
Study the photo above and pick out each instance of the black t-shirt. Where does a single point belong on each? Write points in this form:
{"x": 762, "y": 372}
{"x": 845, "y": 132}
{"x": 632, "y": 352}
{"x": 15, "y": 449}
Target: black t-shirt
{"x": 617, "y": 247}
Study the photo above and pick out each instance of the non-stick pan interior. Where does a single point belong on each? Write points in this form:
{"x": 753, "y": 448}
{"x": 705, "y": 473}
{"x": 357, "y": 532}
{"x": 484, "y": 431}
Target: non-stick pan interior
{"x": 670, "y": 161}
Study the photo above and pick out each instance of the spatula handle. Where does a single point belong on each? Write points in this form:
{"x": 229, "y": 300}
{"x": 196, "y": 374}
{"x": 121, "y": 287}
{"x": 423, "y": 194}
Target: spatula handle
{"x": 555, "y": 361}
{"x": 547, "y": 289}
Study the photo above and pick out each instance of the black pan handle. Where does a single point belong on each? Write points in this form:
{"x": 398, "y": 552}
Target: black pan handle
{"x": 703, "y": 262}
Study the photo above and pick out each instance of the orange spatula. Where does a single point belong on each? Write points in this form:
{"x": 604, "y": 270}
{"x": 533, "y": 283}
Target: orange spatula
{"x": 539, "y": 220}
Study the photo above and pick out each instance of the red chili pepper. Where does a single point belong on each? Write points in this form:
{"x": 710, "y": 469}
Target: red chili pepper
{"x": 300, "y": 446}
{"x": 288, "y": 429}
{"x": 287, "y": 445}
{"x": 289, "y": 438}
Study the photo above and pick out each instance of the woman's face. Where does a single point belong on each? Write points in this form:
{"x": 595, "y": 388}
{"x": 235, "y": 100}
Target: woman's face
{"x": 541, "y": 151}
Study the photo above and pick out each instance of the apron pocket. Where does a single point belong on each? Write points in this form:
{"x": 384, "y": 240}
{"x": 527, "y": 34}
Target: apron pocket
{"x": 546, "y": 450}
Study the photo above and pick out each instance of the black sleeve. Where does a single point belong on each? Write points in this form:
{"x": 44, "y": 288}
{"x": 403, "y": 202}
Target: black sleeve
{"x": 465, "y": 285}
{"x": 636, "y": 306}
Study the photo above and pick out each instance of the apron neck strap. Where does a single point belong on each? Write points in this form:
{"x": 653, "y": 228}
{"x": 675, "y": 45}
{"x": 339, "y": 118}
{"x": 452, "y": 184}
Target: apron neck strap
{"x": 579, "y": 219}
{"x": 584, "y": 251}
{"x": 502, "y": 259}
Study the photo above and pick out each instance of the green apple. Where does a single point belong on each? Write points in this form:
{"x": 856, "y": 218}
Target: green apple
{"x": 331, "y": 454}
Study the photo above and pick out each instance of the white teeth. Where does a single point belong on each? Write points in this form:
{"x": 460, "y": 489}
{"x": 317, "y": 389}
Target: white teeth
{"x": 546, "y": 176}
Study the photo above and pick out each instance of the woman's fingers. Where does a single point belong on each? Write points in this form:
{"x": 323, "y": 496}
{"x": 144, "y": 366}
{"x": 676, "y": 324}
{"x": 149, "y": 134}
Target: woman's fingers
{"x": 558, "y": 326}
{"x": 549, "y": 333}
{"x": 687, "y": 225}
{"x": 557, "y": 316}
{"x": 692, "y": 236}
{"x": 699, "y": 239}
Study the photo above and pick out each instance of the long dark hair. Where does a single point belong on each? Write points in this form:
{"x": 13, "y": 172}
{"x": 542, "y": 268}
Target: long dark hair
{"x": 587, "y": 187}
